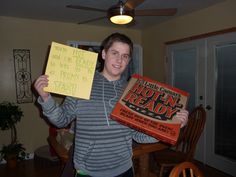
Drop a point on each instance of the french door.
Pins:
(221, 91)
(206, 68)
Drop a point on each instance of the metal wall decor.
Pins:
(23, 75)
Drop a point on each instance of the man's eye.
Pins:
(126, 57)
(115, 53)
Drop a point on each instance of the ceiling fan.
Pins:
(123, 13)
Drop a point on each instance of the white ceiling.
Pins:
(56, 10)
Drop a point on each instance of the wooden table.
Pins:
(142, 153)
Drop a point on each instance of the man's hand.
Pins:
(182, 115)
(39, 85)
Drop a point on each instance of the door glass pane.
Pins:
(225, 118)
(184, 68)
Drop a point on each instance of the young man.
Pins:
(103, 147)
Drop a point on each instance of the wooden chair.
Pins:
(65, 156)
(61, 152)
(186, 169)
(186, 145)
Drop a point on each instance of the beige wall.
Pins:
(37, 35)
(218, 17)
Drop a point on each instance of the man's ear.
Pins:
(103, 54)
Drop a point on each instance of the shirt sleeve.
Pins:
(59, 115)
(140, 137)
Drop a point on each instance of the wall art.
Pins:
(23, 81)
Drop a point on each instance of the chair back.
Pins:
(186, 169)
(191, 133)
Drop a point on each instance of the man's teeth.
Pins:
(116, 66)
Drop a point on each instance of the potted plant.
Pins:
(10, 114)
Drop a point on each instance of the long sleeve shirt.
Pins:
(103, 147)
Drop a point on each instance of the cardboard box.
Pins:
(149, 106)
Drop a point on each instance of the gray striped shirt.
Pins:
(103, 147)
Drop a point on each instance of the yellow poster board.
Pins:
(70, 70)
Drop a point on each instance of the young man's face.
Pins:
(116, 60)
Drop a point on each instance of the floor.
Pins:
(211, 172)
(30, 168)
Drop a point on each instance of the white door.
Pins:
(187, 70)
(207, 69)
(221, 91)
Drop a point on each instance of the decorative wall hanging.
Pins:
(23, 75)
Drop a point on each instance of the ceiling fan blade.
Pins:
(92, 20)
(133, 3)
(85, 8)
(156, 12)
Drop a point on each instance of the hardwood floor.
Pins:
(29, 168)
(211, 172)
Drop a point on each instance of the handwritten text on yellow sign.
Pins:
(70, 70)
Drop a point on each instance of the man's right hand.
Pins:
(39, 85)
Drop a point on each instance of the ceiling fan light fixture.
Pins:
(121, 19)
(121, 15)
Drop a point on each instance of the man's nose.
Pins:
(119, 58)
